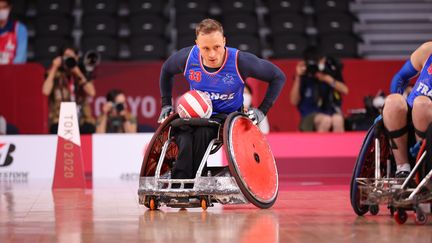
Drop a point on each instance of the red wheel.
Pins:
(400, 216)
(154, 149)
(251, 161)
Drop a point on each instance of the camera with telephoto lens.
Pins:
(119, 107)
(69, 62)
(311, 67)
(90, 60)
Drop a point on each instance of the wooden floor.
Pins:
(304, 212)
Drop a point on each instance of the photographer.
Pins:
(116, 118)
(66, 82)
(318, 85)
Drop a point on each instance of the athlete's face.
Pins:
(212, 48)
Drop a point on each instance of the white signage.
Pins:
(68, 123)
(27, 157)
(118, 155)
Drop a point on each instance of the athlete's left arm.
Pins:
(251, 66)
(411, 68)
(21, 52)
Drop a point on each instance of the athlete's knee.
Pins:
(395, 103)
(422, 103)
(184, 140)
(204, 133)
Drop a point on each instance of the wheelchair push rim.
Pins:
(250, 160)
(154, 149)
(358, 169)
(365, 166)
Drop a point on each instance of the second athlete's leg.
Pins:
(395, 121)
(421, 115)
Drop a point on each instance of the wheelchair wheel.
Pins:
(251, 161)
(365, 166)
(427, 164)
(400, 216)
(154, 149)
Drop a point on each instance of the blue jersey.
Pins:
(225, 86)
(423, 86)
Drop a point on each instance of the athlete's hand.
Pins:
(256, 115)
(165, 112)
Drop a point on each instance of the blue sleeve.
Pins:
(251, 66)
(21, 52)
(175, 64)
(401, 79)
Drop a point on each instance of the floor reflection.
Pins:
(220, 226)
(32, 212)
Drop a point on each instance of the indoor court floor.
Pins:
(315, 211)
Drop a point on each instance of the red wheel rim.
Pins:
(154, 150)
(400, 218)
(251, 161)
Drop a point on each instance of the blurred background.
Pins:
(371, 38)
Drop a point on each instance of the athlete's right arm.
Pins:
(411, 68)
(175, 64)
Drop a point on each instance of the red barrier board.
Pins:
(22, 102)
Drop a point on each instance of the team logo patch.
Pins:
(228, 79)
(6, 150)
(429, 70)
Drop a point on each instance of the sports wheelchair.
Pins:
(251, 175)
(373, 181)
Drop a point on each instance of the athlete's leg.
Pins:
(202, 137)
(421, 115)
(395, 121)
(184, 163)
(422, 118)
(323, 122)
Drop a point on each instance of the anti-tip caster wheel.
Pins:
(400, 216)
(374, 209)
(153, 205)
(420, 218)
(203, 203)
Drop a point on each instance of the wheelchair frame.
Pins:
(155, 191)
